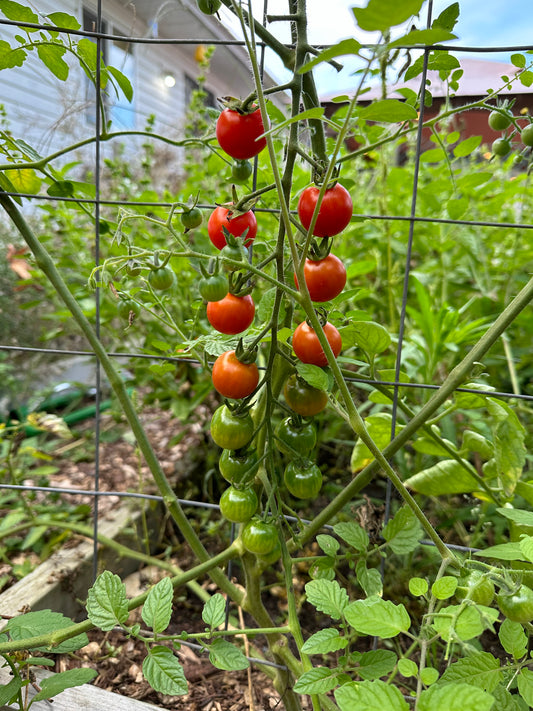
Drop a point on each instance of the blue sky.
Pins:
(481, 23)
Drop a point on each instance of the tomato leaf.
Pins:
(10, 57)
(225, 655)
(379, 15)
(455, 697)
(370, 695)
(327, 596)
(107, 604)
(324, 642)
(163, 672)
(157, 609)
(423, 38)
(403, 531)
(375, 616)
(52, 57)
(64, 21)
(17, 12)
(316, 681)
(214, 611)
(445, 477)
(389, 111)
(347, 46)
(123, 82)
(53, 685)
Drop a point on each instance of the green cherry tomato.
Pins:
(295, 438)
(303, 398)
(241, 170)
(303, 479)
(128, 309)
(238, 467)
(499, 121)
(191, 218)
(477, 587)
(238, 505)
(209, 7)
(259, 537)
(527, 135)
(273, 556)
(231, 431)
(161, 278)
(501, 147)
(517, 606)
(213, 288)
(133, 268)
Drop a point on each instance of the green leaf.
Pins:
(423, 38)
(381, 14)
(403, 531)
(369, 696)
(107, 604)
(55, 684)
(509, 448)
(157, 610)
(467, 147)
(353, 534)
(455, 697)
(502, 551)
(8, 186)
(480, 669)
(87, 52)
(52, 57)
(525, 490)
(445, 477)
(433, 155)
(475, 442)
(314, 375)
(225, 655)
(418, 586)
(526, 547)
(214, 612)
(316, 113)
(327, 596)
(457, 207)
(324, 642)
(379, 427)
(347, 46)
(388, 111)
(526, 78)
(163, 672)
(61, 19)
(444, 587)
(369, 579)
(316, 681)
(448, 17)
(328, 544)
(525, 685)
(471, 401)
(41, 622)
(505, 701)
(123, 82)
(17, 12)
(464, 622)
(24, 180)
(8, 691)
(407, 668)
(376, 663)
(10, 58)
(513, 638)
(375, 616)
(389, 375)
(61, 188)
(429, 675)
(370, 337)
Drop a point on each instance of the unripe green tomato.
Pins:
(191, 218)
(303, 479)
(231, 431)
(295, 439)
(518, 606)
(259, 537)
(238, 505)
(501, 147)
(126, 307)
(213, 288)
(527, 135)
(161, 278)
(499, 121)
(133, 268)
(478, 587)
(209, 7)
(241, 170)
(238, 468)
(273, 556)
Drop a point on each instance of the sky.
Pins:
(482, 23)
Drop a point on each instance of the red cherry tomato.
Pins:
(307, 347)
(325, 278)
(232, 314)
(222, 217)
(233, 379)
(237, 133)
(334, 214)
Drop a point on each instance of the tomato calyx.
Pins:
(319, 249)
(244, 354)
(242, 107)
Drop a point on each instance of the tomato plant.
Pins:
(303, 398)
(230, 430)
(307, 347)
(325, 278)
(238, 505)
(294, 436)
(517, 606)
(478, 587)
(161, 278)
(128, 309)
(335, 210)
(238, 133)
(303, 479)
(232, 314)
(501, 147)
(232, 378)
(192, 218)
(213, 288)
(526, 135)
(238, 467)
(499, 121)
(259, 537)
(222, 218)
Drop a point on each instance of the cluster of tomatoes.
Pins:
(502, 119)
(231, 310)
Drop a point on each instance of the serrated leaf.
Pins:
(61, 188)
(353, 534)
(369, 579)
(403, 532)
(52, 58)
(369, 696)
(376, 663)
(8, 691)
(322, 568)
(423, 37)
(444, 587)
(316, 681)
(445, 477)
(214, 612)
(163, 672)
(324, 642)
(455, 697)
(157, 609)
(314, 375)
(509, 448)
(375, 616)
(525, 685)
(41, 622)
(24, 180)
(225, 655)
(347, 46)
(502, 551)
(328, 544)
(513, 638)
(388, 111)
(505, 701)
(53, 685)
(17, 12)
(526, 547)
(480, 669)
(379, 15)
(372, 338)
(464, 622)
(327, 596)
(107, 604)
